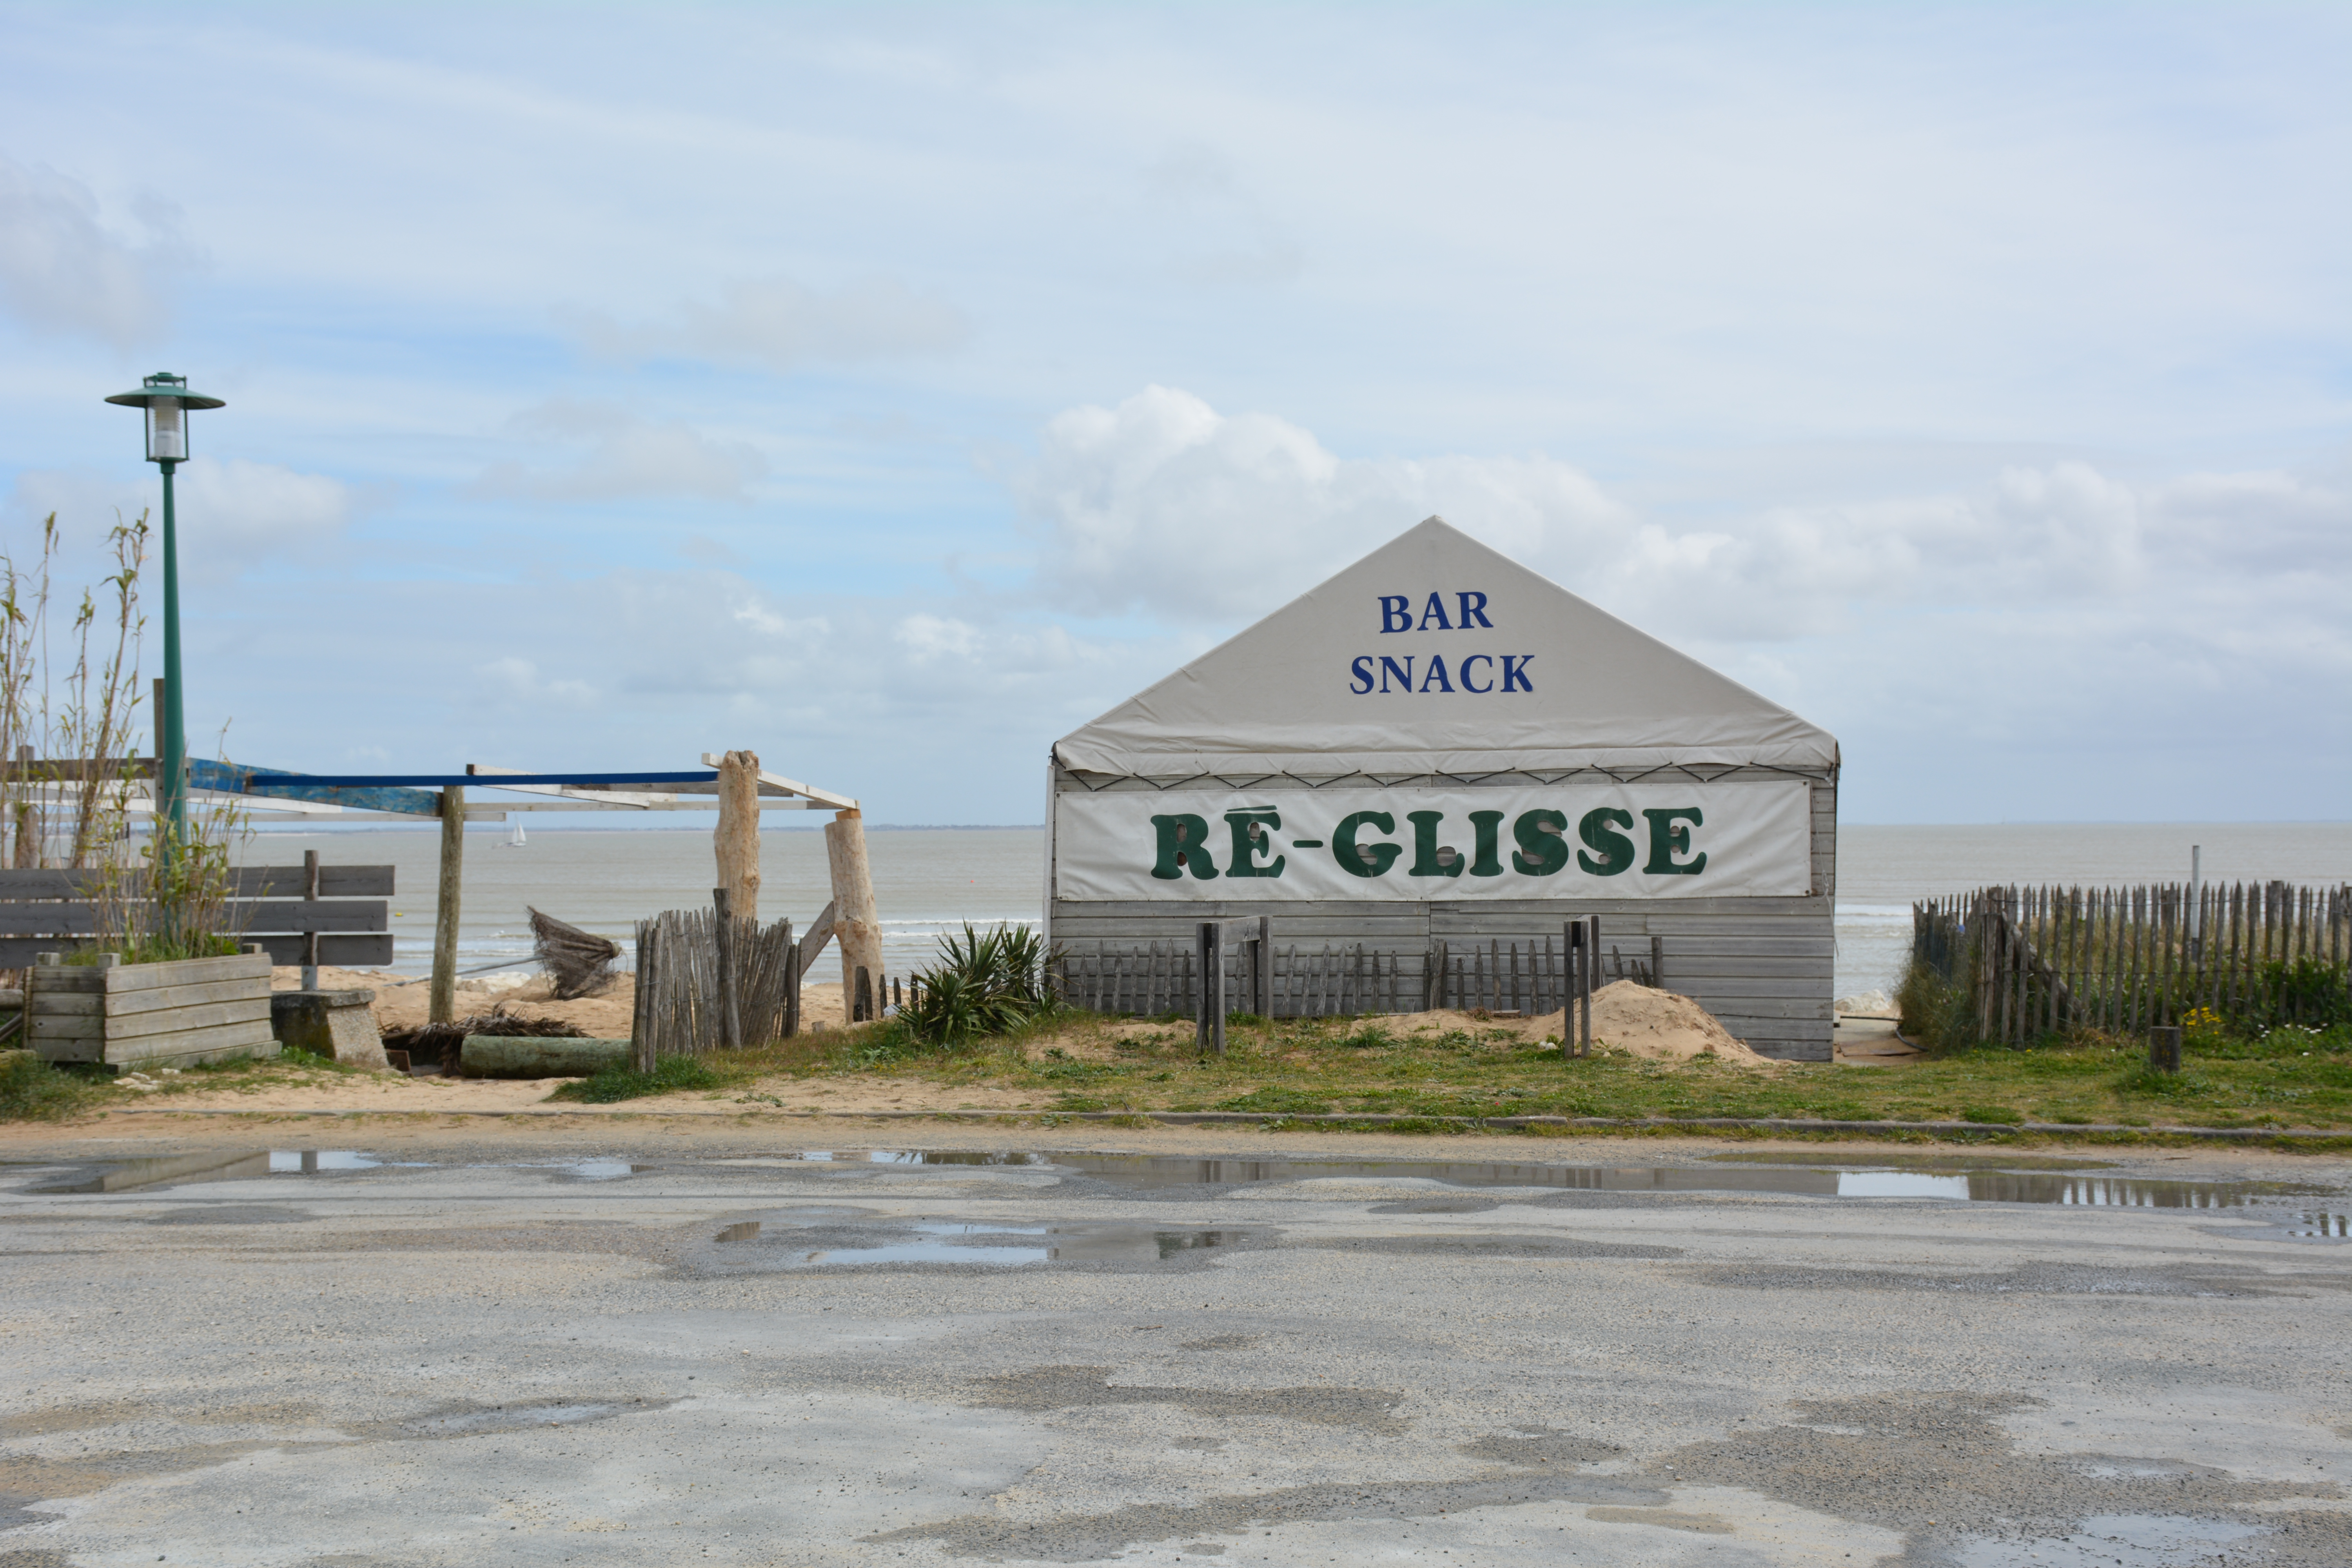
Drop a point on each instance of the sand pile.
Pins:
(1662, 1027)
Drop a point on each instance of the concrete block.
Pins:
(334, 1024)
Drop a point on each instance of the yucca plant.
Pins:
(986, 983)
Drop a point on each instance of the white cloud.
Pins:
(518, 681)
(241, 514)
(782, 324)
(1165, 506)
(619, 454)
(235, 516)
(65, 271)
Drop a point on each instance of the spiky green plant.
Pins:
(985, 982)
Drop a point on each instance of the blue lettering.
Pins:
(1437, 607)
(1389, 667)
(1436, 673)
(1515, 671)
(1464, 672)
(1473, 611)
(1396, 613)
(1362, 667)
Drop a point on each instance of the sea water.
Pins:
(928, 882)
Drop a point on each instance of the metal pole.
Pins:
(171, 751)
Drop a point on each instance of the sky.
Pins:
(889, 390)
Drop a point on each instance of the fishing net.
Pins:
(580, 963)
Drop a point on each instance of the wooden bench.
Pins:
(270, 906)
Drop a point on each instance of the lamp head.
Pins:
(167, 399)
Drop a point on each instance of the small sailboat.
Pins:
(515, 840)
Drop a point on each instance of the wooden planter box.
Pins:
(149, 1014)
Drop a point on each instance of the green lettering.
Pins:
(1669, 838)
(1542, 849)
(1489, 860)
(1616, 850)
(1248, 846)
(1184, 847)
(1425, 862)
(1365, 860)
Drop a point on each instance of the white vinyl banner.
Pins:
(1656, 840)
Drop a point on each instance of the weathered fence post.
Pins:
(722, 935)
(641, 1014)
(1211, 1013)
(1262, 973)
(2164, 1048)
(1658, 962)
(441, 1003)
(310, 938)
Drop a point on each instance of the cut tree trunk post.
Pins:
(441, 1005)
(856, 927)
(738, 839)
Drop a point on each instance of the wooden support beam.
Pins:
(738, 839)
(812, 946)
(441, 1005)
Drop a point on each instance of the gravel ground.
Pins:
(628, 1344)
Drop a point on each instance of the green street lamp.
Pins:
(167, 399)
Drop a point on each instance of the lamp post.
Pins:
(167, 399)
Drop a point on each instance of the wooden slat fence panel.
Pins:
(2032, 961)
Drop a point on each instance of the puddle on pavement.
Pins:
(1154, 1172)
(747, 1230)
(601, 1170)
(900, 1157)
(995, 1244)
(2317, 1226)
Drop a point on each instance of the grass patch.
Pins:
(1374, 1066)
(33, 1090)
(670, 1075)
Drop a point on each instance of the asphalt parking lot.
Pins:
(292, 1343)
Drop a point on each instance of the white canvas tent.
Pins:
(1438, 744)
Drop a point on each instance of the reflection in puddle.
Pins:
(173, 1168)
(1148, 1171)
(601, 1170)
(743, 1230)
(2319, 1226)
(283, 1161)
(990, 1246)
(913, 1157)
(1161, 1172)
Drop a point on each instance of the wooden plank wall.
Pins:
(1766, 967)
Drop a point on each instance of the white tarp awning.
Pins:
(1435, 654)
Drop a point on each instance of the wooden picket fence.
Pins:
(684, 982)
(2035, 960)
(1526, 975)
